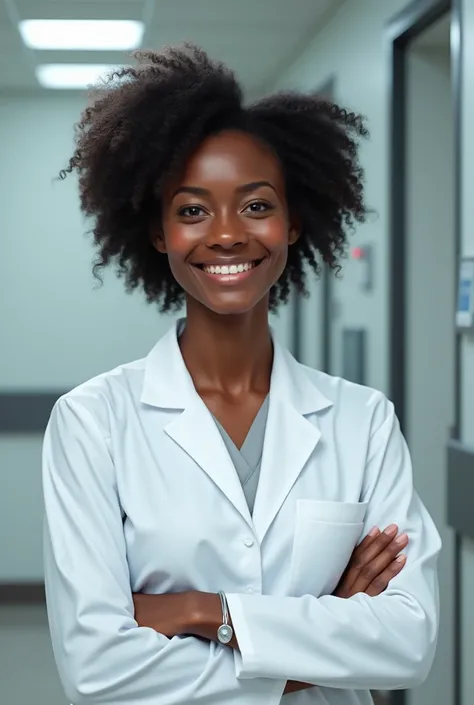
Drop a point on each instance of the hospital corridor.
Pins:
(276, 143)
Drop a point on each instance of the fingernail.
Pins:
(374, 531)
(392, 529)
(401, 539)
(400, 559)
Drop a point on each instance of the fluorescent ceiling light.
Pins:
(71, 75)
(111, 35)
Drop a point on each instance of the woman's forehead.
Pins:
(233, 156)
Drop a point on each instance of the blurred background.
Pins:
(399, 319)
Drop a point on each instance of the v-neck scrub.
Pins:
(248, 459)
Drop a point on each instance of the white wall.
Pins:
(57, 329)
(468, 342)
(351, 48)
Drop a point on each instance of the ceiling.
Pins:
(256, 38)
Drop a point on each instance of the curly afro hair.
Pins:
(145, 122)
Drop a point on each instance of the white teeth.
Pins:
(232, 269)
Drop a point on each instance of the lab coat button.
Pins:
(249, 588)
(249, 542)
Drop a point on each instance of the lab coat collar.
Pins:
(290, 437)
(168, 384)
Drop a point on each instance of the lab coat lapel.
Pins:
(195, 431)
(290, 437)
(168, 385)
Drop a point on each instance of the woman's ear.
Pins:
(157, 238)
(160, 244)
(294, 231)
(293, 236)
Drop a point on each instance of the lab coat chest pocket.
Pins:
(325, 536)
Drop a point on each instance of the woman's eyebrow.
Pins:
(195, 190)
(244, 188)
(252, 186)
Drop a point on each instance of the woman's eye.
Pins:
(258, 207)
(191, 211)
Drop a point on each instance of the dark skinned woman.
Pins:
(205, 505)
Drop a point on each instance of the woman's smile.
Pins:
(230, 273)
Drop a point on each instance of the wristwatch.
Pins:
(225, 631)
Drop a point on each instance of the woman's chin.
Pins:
(233, 304)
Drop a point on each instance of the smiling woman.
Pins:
(224, 526)
(134, 145)
(226, 228)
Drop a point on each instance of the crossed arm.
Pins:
(373, 564)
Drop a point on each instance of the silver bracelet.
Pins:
(225, 631)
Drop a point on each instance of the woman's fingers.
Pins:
(349, 577)
(368, 540)
(367, 550)
(376, 559)
(381, 582)
(373, 563)
(371, 557)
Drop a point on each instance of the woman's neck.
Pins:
(228, 354)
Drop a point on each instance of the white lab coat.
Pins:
(141, 495)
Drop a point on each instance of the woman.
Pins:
(203, 504)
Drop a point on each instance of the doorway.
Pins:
(424, 255)
(430, 305)
(311, 333)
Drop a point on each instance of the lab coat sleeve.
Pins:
(384, 642)
(102, 655)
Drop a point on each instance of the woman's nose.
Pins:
(227, 234)
(227, 241)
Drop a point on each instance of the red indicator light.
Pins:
(358, 253)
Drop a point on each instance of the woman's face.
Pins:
(226, 228)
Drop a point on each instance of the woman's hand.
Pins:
(373, 564)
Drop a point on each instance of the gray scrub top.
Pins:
(248, 459)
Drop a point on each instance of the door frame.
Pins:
(402, 29)
(326, 90)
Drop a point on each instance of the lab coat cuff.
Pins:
(246, 658)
